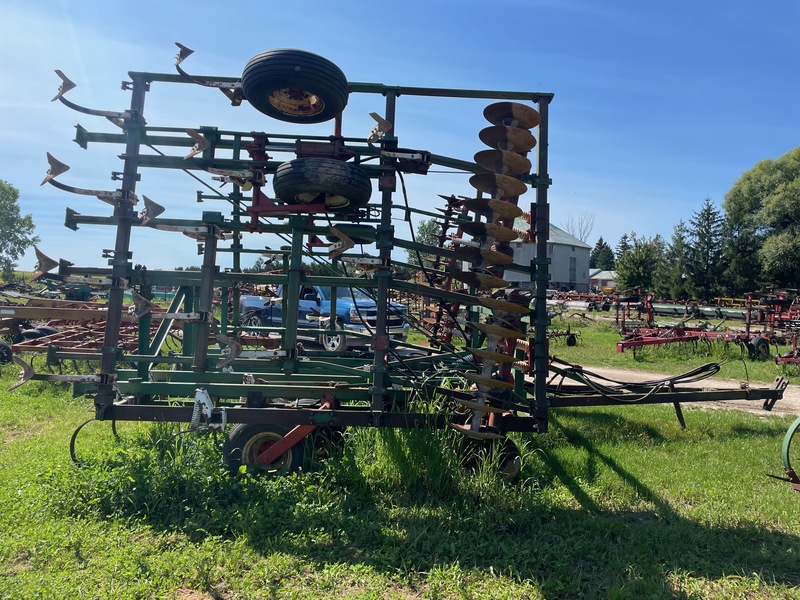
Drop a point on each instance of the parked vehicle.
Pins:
(355, 311)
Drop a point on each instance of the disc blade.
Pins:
(476, 434)
(480, 279)
(498, 330)
(497, 185)
(512, 114)
(503, 161)
(479, 407)
(486, 354)
(501, 209)
(504, 305)
(488, 381)
(498, 232)
(513, 139)
(490, 257)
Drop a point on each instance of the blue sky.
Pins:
(657, 105)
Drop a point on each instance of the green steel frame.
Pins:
(278, 385)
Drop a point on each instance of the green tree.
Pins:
(601, 256)
(704, 264)
(660, 248)
(16, 230)
(673, 279)
(427, 233)
(762, 226)
(637, 265)
(623, 245)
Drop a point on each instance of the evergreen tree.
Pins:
(637, 265)
(673, 282)
(660, 248)
(623, 245)
(601, 256)
(704, 264)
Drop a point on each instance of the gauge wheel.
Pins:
(246, 441)
(789, 452)
(295, 86)
(334, 342)
(337, 184)
(759, 348)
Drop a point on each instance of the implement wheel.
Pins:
(790, 452)
(759, 348)
(340, 185)
(295, 86)
(246, 442)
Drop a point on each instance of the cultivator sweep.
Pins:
(484, 366)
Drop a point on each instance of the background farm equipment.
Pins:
(487, 350)
(774, 314)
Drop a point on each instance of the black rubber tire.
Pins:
(334, 343)
(367, 237)
(572, 340)
(6, 355)
(340, 185)
(47, 329)
(759, 348)
(295, 86)
(28, 334)
(246, 440)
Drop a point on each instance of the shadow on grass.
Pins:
(336, 515)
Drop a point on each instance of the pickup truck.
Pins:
(355, 311)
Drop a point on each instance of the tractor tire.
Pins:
(295, 86)
(246, 441)
(340, 185)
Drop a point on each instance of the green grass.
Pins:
(611, 503)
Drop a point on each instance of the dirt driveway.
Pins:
(788, 405)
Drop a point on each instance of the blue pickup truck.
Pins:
(355, 311)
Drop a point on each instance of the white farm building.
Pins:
(569, 262)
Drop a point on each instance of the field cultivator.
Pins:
(774, 313)
(485, 370)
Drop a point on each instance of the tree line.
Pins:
(752, 243)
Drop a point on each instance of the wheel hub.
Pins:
(296, 102)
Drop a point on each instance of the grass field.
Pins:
(611, 503)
